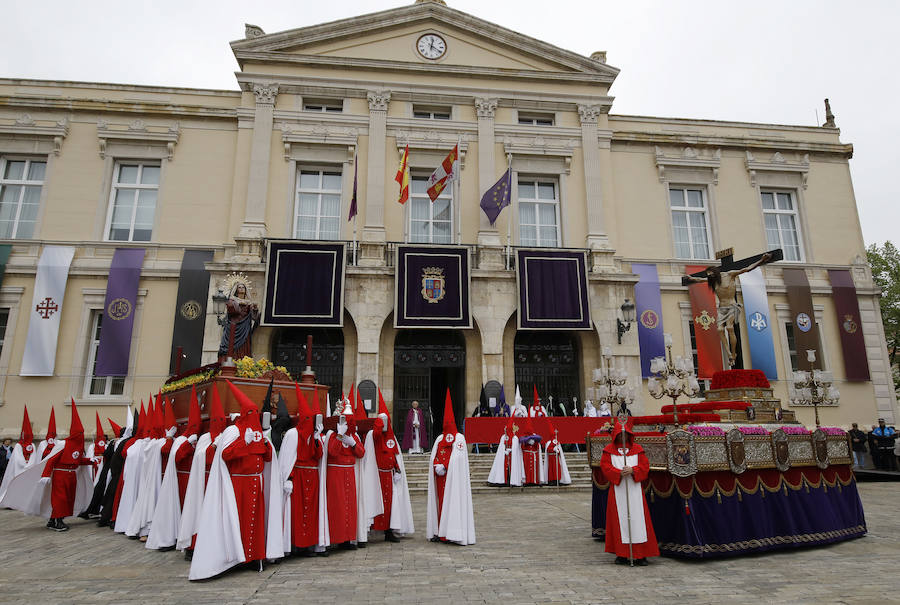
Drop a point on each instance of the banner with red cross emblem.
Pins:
(706, 334)
(39, 358)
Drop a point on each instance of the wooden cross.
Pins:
(729, 264)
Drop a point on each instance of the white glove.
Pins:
(317, 435)
(397, 477)
(348, 440)
(288, 487)
(171, 432)
(44, 480)
(248, 436)
(441, 470)
(192, 439)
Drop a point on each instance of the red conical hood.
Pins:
(351, 398)
(170, 415)
(382, 409)
(217, 419)
(359, 408)
(142, 422)
(51, 427)
(303, 409)
(116, 429)
(193, 424)
(26, 438)
(75, 426)
(534, 402)
(449, 419)
(249, 417)
(100, 436)
(74, 447)
(627, 428)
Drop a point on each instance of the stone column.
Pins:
(254, 226)
(597, 237)
(490, 250)
(373, 231)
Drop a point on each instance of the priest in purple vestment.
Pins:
(415, 436)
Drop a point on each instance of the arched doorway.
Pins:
(426, 364)
(289, 350)
(549, 360)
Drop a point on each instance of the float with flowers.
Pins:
(750, 479)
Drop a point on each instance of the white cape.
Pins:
(564, 478)
(457, 523)
(628, 489)
(27, 494)
(219, 546)
(516, 465)
(369, 503)
(287, 457)
(193, 497)
(167, 515)
(131, 480)
(148, 490)
(324, 529)
(401, 508)
(16, 465)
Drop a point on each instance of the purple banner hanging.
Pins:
(553, 293)
(432, 287)
(118, 312)
(304, 284)
(846, 305)
(648, 303)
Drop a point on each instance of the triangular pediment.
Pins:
(388, 39)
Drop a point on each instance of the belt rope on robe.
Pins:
(251, 475)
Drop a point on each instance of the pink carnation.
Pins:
(795, 429)
(706, 431)
(833, 430)
(752, 430)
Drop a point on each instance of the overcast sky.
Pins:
(762, 61)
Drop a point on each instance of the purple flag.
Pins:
(118, 312)
(648, 301)
(496, 198)
(353, 208)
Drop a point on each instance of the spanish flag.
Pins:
(403, 176)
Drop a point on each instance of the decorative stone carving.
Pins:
(485, 108)
(138, 125)
(777, 158)
(689, 153)
(589, 113)
(689, 158)
(778, 163)
(137, 133)
(265, 93)
(253, 31)
(599, 56)
(25, 119)
(829, 117)
(378, 99)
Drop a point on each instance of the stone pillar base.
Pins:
(249, 249)
(603, 261)
(371, 254)
(490, 257)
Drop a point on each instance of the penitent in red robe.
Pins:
(305, 496)
(183, 459)
(553, 469)
(340, 486)
(615, 542)
(531, 457)
(245, 464)
(63, 482)
(442, 456)
(386, 457)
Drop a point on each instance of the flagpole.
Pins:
(456, 193)
(509, 220)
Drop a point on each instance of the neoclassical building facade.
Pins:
(324, 111)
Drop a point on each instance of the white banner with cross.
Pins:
(46, 309)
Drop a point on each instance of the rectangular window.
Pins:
(792, 347)
(429, 223)
(324, 105)
(431, 113)
(21, 181)
(690, 223)
(782, 227)
(538, 213)
(317, 211)
(536, 119)
(132, 201)
(100, 385)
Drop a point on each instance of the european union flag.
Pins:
(497, 197)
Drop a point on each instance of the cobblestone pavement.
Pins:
(532, 548)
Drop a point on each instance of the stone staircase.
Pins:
(480, 467)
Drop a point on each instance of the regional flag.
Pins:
(444, 174)
(403, 176)
(497, 197)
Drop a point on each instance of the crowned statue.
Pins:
(241, 319)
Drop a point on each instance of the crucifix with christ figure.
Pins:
(722, 281)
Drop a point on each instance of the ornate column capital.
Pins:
(589, 113)
(485, 107)
(265, 93)
(378, 99)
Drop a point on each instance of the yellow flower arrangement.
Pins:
(188, 381)
(247, 367)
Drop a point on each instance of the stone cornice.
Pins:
(22, 102)
(25, 127)
(688, 158)
(433, 13)
(777, 163)
(137, 132)
(728, 142)
(447, 70)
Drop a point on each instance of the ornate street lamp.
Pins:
(674, 377)
(610, 384)
(624, 324)
(813, 387)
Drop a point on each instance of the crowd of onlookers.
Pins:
(880, 445)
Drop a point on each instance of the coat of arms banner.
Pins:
(304, 284)
(432, 287)
(553, 292)
(846, 304)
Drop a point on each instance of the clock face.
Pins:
(431, 46)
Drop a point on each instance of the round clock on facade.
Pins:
(431, 46)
